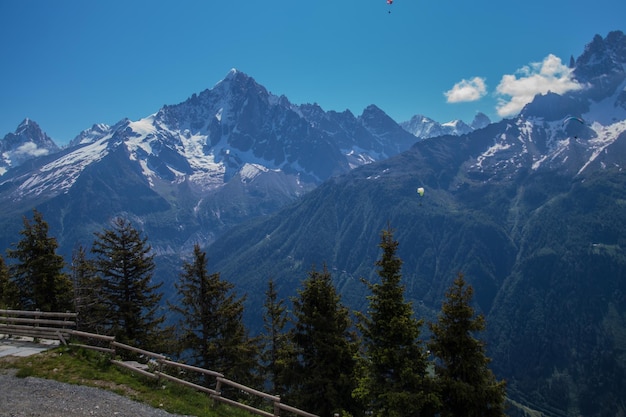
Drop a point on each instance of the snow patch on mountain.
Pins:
(207, 173)
(250, 171)
(492, 151)
(144, 127)
(357, 157)
(608, 111)
(606, 135)
(59, 175)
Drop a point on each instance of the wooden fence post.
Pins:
(66, 318)
(218, 390)
(36, 339)
(277, 407)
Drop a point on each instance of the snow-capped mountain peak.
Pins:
(28, 142)
(211, 137)
(423, 127)
(92, 134)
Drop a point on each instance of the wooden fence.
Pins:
(58, 326)
(37, 324)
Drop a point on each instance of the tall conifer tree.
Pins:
(323, 374)
(394, 381)
(213, 335)
(124, 266)
(92, 312)
(275, 341)
(38, 272)
(468, 387)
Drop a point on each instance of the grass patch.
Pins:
(83, 367)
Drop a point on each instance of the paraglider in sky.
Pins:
(575, 121)
(420, 192)
(573, 118)
(389, 2)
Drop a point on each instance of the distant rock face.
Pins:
(602, 57)
(423, 127)
(601, 67)
(480, 121)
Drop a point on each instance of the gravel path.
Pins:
(21, 397)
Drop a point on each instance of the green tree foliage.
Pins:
(468, 387)
(276, 348)
(38, 271)
(124, 267)
(211, 327)
(322, 376)
(91, 310)
(393, 379)
(9, 293)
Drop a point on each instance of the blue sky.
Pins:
(70, 64)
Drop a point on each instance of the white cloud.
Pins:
(536, 78)
(30, 149)
(467, 90)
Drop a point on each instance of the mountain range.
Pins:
(227, 154)
(531, 209)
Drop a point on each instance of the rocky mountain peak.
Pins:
(601, 73)
(602, 57)
(95, 132)
(480, 121)
(29, 131)
(27, 142)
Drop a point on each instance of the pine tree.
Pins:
(322, 377)
(393, 379)
(9, 294)
(92, 313)
(124, 268)
(468, 387)
(274, 339)
(213, 335)
(38, 271)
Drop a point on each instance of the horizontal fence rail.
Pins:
(61, 326)
(38, 324)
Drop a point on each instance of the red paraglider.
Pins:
(389, 2)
